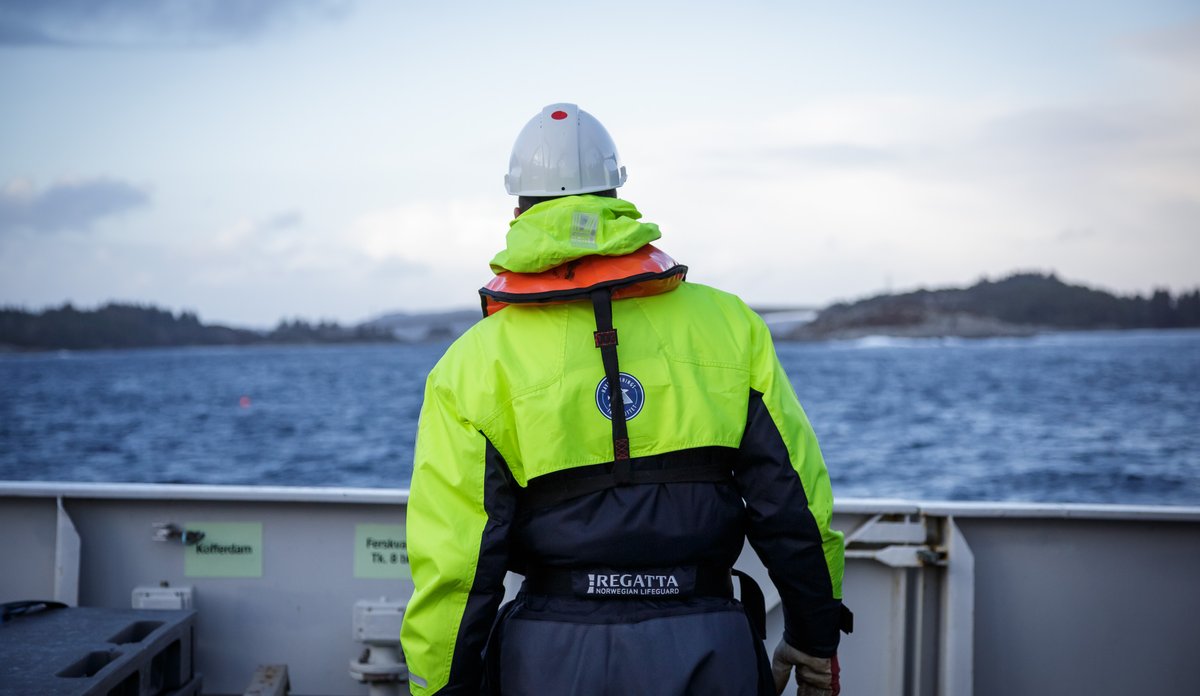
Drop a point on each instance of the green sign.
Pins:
(228, 550)
(380, 552)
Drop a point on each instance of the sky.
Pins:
(332, 159)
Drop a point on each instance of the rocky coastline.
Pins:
(1023, 304)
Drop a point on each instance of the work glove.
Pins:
(815, 676)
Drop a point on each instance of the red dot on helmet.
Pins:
(558, 115)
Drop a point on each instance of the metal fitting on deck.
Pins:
(381, 665)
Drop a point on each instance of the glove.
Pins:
(815, 676)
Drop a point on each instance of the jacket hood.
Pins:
(554, 232)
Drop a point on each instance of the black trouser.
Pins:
(550, 645)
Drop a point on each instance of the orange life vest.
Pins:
(647, 271)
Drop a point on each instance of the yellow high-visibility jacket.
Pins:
(523, 396)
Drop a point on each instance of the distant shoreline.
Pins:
(1024, 304)
(10, 350)
(845, 337)
(1019, 305)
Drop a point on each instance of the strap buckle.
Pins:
(605, 338)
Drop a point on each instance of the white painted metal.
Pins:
(957, 634)
(377, 621)
(382, 669)
(66, 558)
(268, 680)
(380, 666)
(947, 596)
(917, 639)
(160, 491)
(857, 506)
(892, 556)
(878, 530)
(1074, 511)
(173, 598)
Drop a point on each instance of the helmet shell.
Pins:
(563, 151)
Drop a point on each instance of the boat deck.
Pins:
(950, 599)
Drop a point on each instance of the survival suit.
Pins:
(614, 434)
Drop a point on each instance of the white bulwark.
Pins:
(950, 599)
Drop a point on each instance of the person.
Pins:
(613, 433)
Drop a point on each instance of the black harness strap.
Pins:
(606, 341)
(753, 602)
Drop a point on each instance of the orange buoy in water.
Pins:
(244, 402)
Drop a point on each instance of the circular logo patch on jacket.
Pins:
(632, 395)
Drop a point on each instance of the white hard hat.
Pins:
(561, 152)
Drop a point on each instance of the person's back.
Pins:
(624, 510)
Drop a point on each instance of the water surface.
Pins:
(1084, 417)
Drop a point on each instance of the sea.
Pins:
(1086, 417)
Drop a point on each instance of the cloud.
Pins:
(152, 23)
(461, 234)
(68, 205)
(822, 155)
(1069, 128)
(279, 237)
(1176, 46)
(283, 243)
(259, 267)
(1099, 184)
(282, 221)
(1077, 234)
(838, 155)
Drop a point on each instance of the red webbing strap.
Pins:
(606, 341)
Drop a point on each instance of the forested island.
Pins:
(1018, 305)
(118, 325)
(1021, 304)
